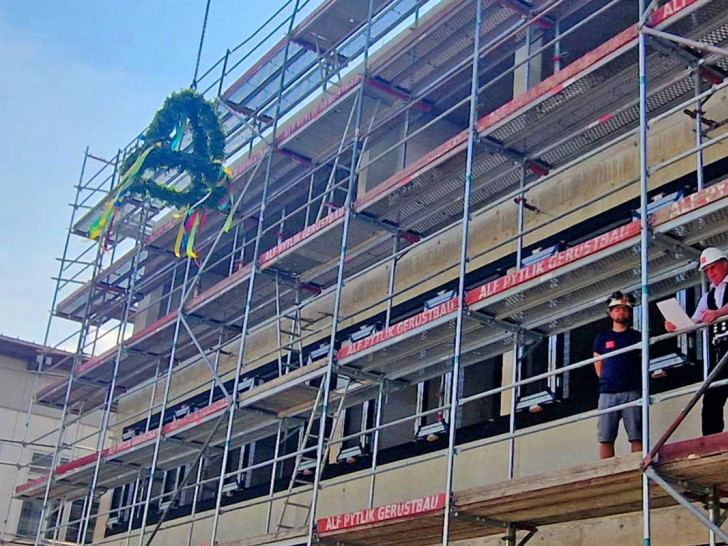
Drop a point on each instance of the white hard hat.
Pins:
(710, 256)
(617, 298)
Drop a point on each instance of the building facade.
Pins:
(26, 439)
(394, 342)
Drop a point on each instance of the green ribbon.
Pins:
(179, 132)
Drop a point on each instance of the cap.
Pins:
(711, 255)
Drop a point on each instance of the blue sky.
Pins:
(77, 73)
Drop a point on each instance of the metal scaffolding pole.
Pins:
(375, 444)
(700, 180)
(77, 358)
(165, 398)
(348, 211)
(147, 426)
(273, 472)
(41, 359)
(455, 374)
(650, 473)
(108, 403)
(196, 489)
(644, 272)
(251, 281)
(517, 349)
(455, 392)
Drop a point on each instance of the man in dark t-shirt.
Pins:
(619, 377)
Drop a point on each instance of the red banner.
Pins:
(400, 328)
(301, 236)
(668, 10)
(197, 417)
(131, 443)
(692, 202)
(77, 463)
(388, 512)
(592, 246)
(31, 484)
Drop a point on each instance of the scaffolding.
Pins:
(367, 135)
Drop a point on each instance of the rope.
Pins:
(202, 41)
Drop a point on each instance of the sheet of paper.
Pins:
(673, 312)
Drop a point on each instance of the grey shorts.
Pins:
(608, 423)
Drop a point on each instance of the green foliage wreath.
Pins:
(162, 153)
(203, 162)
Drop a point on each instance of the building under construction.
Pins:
(393, 345)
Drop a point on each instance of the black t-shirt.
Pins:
(623, 372)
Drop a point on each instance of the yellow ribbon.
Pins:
(98, 226)
(131, 171)
(178, 241)
(191, 238)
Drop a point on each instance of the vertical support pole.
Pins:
(644, 258)
(132, 509)
(392, 277)
(527, 66)
(236, 234)
(521, 217)
(150, 413)
(77, 357)
(698, 132)
(200, 464)
(348, 205)
(405, 145)
(299, 328)
(279, 323)
(74, 210)
(310, 197)
(165, 398)
(46, 338)
(517, 351)
(109, 400)
(510, 537)
(557, 45)
(714, 512)
(699, 175)
(454, 398)
(251, 282)
(172, 282)
(273, 472)
(375, 444)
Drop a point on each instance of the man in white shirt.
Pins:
(712, 306)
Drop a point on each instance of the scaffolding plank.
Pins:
(292, 385)
(592, 95)
(584, 491)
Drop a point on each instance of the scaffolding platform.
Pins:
(413, 347)
(590, 101)
(417, 83)
(312, 254)
(555, 294)
(334, 31)
(259, 411)
(586, 491)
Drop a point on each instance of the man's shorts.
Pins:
(608, 423)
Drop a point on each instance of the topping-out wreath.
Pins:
(186, 112)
